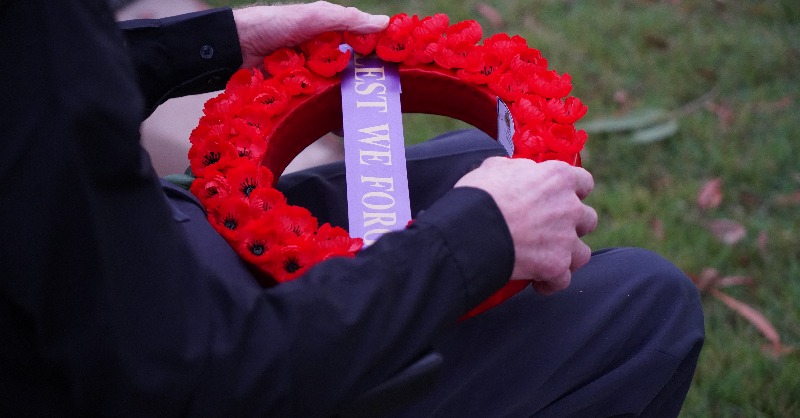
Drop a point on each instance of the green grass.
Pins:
(661, 54)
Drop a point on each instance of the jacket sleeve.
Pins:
(347, 325)
(183, 55)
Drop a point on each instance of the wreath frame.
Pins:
(249, 133)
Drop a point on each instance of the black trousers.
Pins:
(622, 340)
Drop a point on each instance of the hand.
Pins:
(541, 204)
(263, 29)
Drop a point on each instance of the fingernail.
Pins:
(373, 23)
(379, 20)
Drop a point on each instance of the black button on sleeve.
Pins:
(207, 51)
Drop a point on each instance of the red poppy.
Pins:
(394, 49)
(248, 139)
(510, 86)
(282, 60)
(325, 40)
(244, 78)
(247, 176)
(327, 62)
(455, 56)
(396, 43)
(231, 215)
(212, 154)
(211, 190)
(565, 139)
(294, 222)
(333, 241)
(505, 45)
(550, 85)
(291, 261)
(258, 240)
(424, 38)
(528, 143)
(529, 61)
(298, 81)
(529, 110)
(468, 31)
(266, 198)
(362, 43)
(566, 111)
(218, 109)
(270, 98)
(486, 66)
(255, 119)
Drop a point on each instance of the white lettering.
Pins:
(379, 200)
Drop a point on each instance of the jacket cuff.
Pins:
(182, 55)
(476, 232)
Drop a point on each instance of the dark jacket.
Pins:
(117, 301)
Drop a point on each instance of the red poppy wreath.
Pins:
(251, 131)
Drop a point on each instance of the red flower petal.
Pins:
(212, 154)
(283, 60)
(298, 81)
(528, 143)
(247, 176)
(394, 49)
(468, 31)
(530, 61)
(529, 110)
(565, 139)
(510, 86)
(327, 62)
(271, 98)
(550, 85)
(482, 66)
(258, 240)
(323, 41)
(211, 190)
(506, 46)
(400, 26)
(265, 199)
(567, 111)
(362, 43)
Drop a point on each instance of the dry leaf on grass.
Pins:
(710, 194)
(728, 231)
(494, 17)
(756, 318)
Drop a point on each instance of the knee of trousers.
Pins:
(664, 300)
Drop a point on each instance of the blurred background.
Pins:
(694, 144)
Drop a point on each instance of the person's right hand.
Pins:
(542, 206)
(263, 29)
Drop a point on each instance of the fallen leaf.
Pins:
(756, 318)
(706, 280)
(790, 199)
(494, 17)
(728, 231)
(657, 227)
(724, 113)
(710, 194)
(729, 281)
(656, 41)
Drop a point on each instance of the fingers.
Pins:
(584, 182)
(550, 287)
(323, 16)
(587, 222)
(580, 255)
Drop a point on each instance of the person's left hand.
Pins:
(263, 29)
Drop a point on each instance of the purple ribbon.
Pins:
(374, 148)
